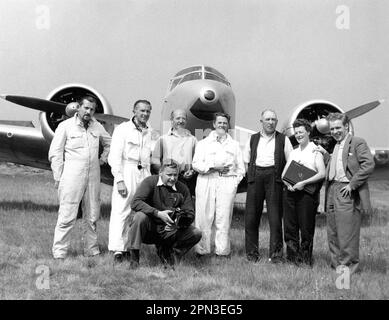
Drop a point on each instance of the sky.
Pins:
(275, 53)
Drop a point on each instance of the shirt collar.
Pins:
(81, 123)
(160, 183)
(172, 132)
(213, 136)
(139, 128)
(266, 136)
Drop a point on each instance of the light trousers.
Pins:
(78, 182)
(215, 197)
(119, 222)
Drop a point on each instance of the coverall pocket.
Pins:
(132, 148)
(75, 141)
(94, 140)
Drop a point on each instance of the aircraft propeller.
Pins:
(62, 108)
(323, 126)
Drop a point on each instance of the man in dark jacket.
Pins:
(347, 192)
(265, 155)
(162, 214)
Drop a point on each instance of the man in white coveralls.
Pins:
(129, 158)
(219, 162)
(74, 157)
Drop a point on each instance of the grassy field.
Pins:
(28, 212)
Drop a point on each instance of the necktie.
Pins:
(334, 158)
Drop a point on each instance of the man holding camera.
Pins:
(162, 214)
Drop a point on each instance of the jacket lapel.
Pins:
(345, 152)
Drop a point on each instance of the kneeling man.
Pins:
(162, 214)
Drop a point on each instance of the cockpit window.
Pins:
(187, 70)
(212, 76)
(174, 83)
(188, 77)
(192, 76)
(214, 71)
(196, 73)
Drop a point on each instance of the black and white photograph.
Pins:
(195, 155)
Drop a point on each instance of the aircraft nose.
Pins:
(209, 95)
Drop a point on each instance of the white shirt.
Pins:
(160, 183)
(212, 153)
(265, 150)
(179, 148)
(129, 144)
(307, 157)
(340, 175)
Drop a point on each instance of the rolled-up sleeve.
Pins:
(56, 151)
(287, 148)
(246, 152)
(116, 154)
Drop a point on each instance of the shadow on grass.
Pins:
(377, 217)
(27, 206)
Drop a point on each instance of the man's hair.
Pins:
(221, 114)
(173, 112)
(302, 123)
(333, 116)
(169, 163)
(142, 101)
(270, 110)
(89, 98)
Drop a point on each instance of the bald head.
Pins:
(269, 121)
(178, 118)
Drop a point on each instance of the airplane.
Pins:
(267, 48)
(200, 90)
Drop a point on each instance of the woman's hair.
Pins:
(302, 123)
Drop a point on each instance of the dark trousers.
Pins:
(190, 183)
(343, 227)
(264, 187)
(144, 230)
(299, 218)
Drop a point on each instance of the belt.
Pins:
(264, 168)
(339, 182)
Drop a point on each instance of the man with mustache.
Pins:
(347, 192)
(179, 145)
(74, 157)
(265, 155)
(129, 159)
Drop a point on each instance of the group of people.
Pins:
(157, 177)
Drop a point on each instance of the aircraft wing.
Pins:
(17, 123)
(23, 145)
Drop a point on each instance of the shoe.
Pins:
(253, 257)
(223, 256)
(118, 257)
(200, 256)
(276, 260)
(126, 256)
(166, 256)
(178, 255)
(134, 258)
(59, 258)
(94, 254)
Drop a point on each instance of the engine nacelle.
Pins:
(69, 93)
(315, 112)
